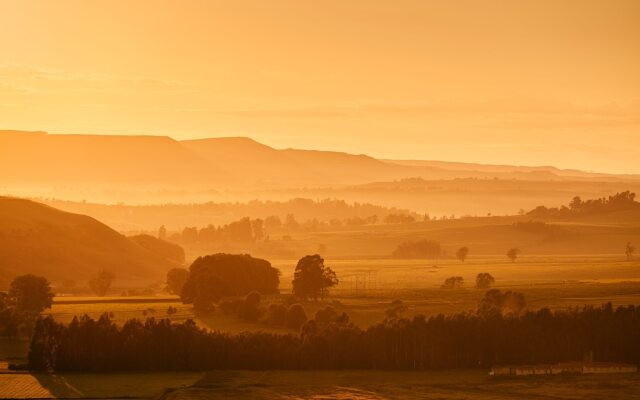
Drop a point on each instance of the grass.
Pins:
(462, 384)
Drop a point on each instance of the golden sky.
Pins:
(516, 82)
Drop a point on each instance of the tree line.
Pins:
(466, 340)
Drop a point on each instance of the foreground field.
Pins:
(472, 385)
(92, 386)
(403, 385)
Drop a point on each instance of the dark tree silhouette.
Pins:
(101, 282)
(295, 317)
(629, 250)
(176, 278)
(513, 253)
(484, 280)
(30, 293)
(453, 282)
(397, 309)
(462, 253)
(312, 279)
(464, 340)
(496, 302)
(215, 276)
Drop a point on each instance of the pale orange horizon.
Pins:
(500, 82)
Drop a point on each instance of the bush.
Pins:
(453, 282)
(295, 317)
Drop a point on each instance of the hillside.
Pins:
(38, 239)
(155, 169)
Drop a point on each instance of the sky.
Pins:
(503, 82)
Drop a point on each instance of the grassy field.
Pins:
(403, 385)
(368, 286)
(92, 386)
(453, 384)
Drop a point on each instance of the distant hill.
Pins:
(38, 239)
(75, 166)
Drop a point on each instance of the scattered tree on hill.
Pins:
(496, 302)
(312, 279)
(215, 276)
(484, 280)
(629, 250)
(176, 278)
(577, 206)
(418, 249)
(101, 282)
(30, 293)
(462, 253)
(162, 232)
(453, 282)
(513, 253)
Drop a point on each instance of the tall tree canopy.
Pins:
(312, 279)
(30, 293)
(215, 276)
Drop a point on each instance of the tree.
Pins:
(462, 253)
(176, 278)
(453, 282)
(513, 253)
(312, 279)
(30, 293)
(505, 303)
(162, 232)
(484, 280)
(629, 250)
(397, 309)
(295, 317)
(215, 276)
(101, 282)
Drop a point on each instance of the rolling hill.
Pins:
(38, 239)
(41, 164)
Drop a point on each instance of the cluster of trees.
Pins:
(243, 230)
(28, 295)
(468, 340)
(215, 276)
(577, 206)
(285, 315)
(484, 280)
(418, 249)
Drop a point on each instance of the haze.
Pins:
(520, 83)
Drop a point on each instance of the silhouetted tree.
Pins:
(215, 276)
(312, 279)
(295, 317)
(513, 253)
(453, 282)
(162, 232)
(496, 302)
(629, 250)
(30, 293)
(462, 253)
(101, 282)
(176, 278)
(484, 280)
(396, 310)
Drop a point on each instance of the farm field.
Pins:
(403, 385)
(92, 386)
(448, 384)
(368, 286)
